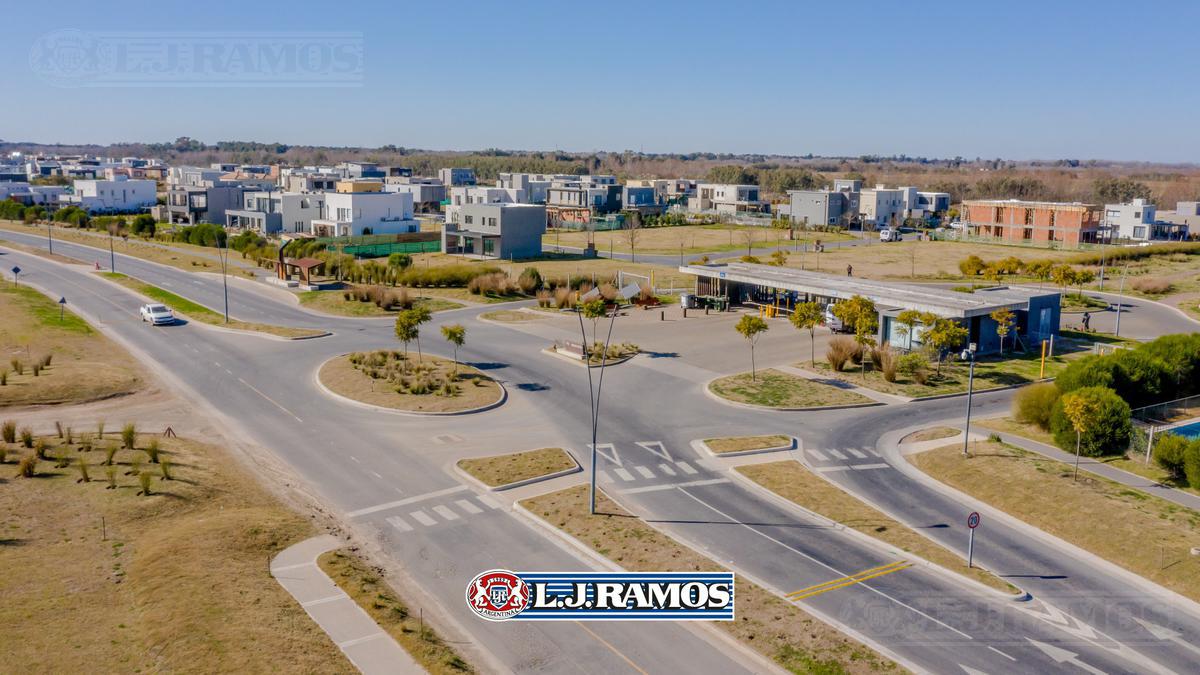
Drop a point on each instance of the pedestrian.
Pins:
(1087, 321)
(849, 270)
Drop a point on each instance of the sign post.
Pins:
(62, 303)
(972, 523)
(16, 271)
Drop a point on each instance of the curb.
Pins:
(395, 411)
(550, 351)
(750, 406)
(520, 483)
(702, 445)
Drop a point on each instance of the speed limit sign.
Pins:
(973, 520)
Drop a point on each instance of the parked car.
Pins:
(832, 322)
(157, 314)
(889, 234)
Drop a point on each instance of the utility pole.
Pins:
(50, 237)
(969, 353)
(112, 257)
(224, 250)
(1120, 291)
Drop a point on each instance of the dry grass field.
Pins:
(745, 443)
(474, 389)
(774, 389)
(505, 469)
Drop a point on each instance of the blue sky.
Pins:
(1094, 79)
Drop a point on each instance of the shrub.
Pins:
(58, 429)
(563, 297)
(1181, 353)
(27, 437)
(840, 350)
(1135, 375)
(37, 369)
(39, 448)
(4, 377)
(8, 431)
(1191, 463)
(1169, 451)
(144, 479)
(70, 436)
(128, 435)
(1033, 404)
(61, 459)
(544, 298)
(46, 360)
(165, 467)
(971, 266)
(83, 472)
(888, 362)
(85, 442)
(100, 429)
(530, 280)
(135, 466)
(110, 473)
(1108, 435)
(152, 451)
(17, 366)
(1152, 285)
(753, 259)
(27, 467)
(110, 451)
(3, 454)
(912, 362)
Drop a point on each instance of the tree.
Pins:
(594, 309)
(632, 232)
(751, 327)
(1063, 275)
(407, 329)
(1040, 270)
(748, 235)
(143, 225)
(971, 265)
(1004, 321)
(1102, 417)
(1119, 190)
(732, 175)
(400, 261)
(420, 316)
(1081, 411)
(859, 313)
(907, 324)
(807, 316)
(943, 335)
(455, 334)
(1082, 277)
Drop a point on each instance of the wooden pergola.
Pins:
(305, 267)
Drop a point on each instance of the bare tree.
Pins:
(748, 234)
(632, 231)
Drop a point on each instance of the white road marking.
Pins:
(623, 474)
(468, 507)
(868, 467)
(672, 486)
(872, 453)
(826, 469)
(685, 467)
(399, 523)
(856, 453)
(445, 512)
(358, 641)
(837, 455)
(611, 455)
(666, 468)
(355, 459)
(488, 501)
(661, 451)
(422, 518)
(269, 399)
(408, 500)
(646, 473)
(820, 456)
(1010, 658)
(377, 475)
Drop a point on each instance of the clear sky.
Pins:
(1015, 79)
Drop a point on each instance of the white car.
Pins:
(157, 314)
(889, 234)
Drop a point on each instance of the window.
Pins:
(1139, 232)
(468, 219)
(1137, 214)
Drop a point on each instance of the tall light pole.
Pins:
(223, 251)
(50, 237)
(112, 257)
(969, 354)
(1121, 290)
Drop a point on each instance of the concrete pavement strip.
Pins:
(368, 646)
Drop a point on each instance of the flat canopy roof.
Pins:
(921, 297)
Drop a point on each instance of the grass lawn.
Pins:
(333, 302)
(194, 310)
(84, 364)
(779, 630)
(930, 434)
(793, 481)
(173, 582)
(512, 316)
(372, 593)
(1123, 525)
(1008, 425)
(745, 443)
(774, 389)
(554, 266)
(695, 239)
(505, 469)
(1075, 302)
(474, 389)
(919, 260)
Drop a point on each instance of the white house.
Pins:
(118, 195)
(362, 207)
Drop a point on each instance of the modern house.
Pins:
(427, 193)
(726, 199)
(200, 204)
(456, 176)
(1036, 311)
(581, 199)
(359, 207)
(120, 195)
(1139, 221)
(646, 200)
(879, 206)
(1185, 219)
(505, 231)
(308, 180)
(272, 212)
(1055, 223)
(534, 186)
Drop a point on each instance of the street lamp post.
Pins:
(50, 237)
(224, 251)
(1120, 291)
(969, 354)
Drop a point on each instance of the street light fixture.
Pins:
(969, 355)
(223, 252)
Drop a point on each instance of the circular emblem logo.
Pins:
(68, 57)
(497, 595)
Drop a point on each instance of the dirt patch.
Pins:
(930, 434)
(471, 388)
(105, 580)
(746, 443)
(775, 389)
(518, 466)
(766, 623)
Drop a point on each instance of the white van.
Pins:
(889, 234)
(832, 322)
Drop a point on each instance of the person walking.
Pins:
(1087, 321)
(849, 270)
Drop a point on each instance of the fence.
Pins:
(382, 250)
(1169, 412)
(960, 235)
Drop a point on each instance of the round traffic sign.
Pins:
(973, 520)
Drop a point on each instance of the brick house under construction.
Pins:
(1066, 224)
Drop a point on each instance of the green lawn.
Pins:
(774, 389)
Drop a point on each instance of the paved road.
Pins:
(389, 473)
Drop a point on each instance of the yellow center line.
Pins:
(851, 576)
(849, 582)
(611, 648)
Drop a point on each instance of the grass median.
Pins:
(779, 630)
(1144, 534)
(518, 466)
(793, 481)
(45, 359)
(198, 312)
(335, 302)
(771, 388)
(747, 443)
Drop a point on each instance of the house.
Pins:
(582, 199)
(456, 177)
(270, 212)
(308, 180)
(923, 205)
(534, 186)
(427, 193)
(1185, 219)
(1068, 224)
(120, 195)
(504, 230)
(644, 199)
(880, 206)
(203, 204)
(726, 199)
(354, 170)
(359, 207)
(823, 207)
(1138, 221)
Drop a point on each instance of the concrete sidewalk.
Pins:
(368, 647)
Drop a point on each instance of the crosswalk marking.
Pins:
(818, 454)
(422, 518)
(607, 451)
(399, 523)
(837, 455)
(646, 473)
(666, 468)
(685, 467)
(872, 453)
(826, 469)
(623, 474)
(864, 467)
(445, 512)
(856, 453)
(488, 501)
(661, 450)
(468, 506)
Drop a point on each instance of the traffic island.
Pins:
(794, 482)
(777, 390)
(736, 446)
(371, 301)
(597, 355)
(503, 472)
(1142, 533)
(779, 630)
(930, 434)
(410, 383)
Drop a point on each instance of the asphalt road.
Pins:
(389, 474)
